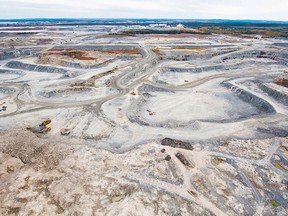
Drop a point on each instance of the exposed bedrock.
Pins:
(250, 98)
(7, 90)
(16, 53)
(32, 67)
(106, 47)
(74, 65)
(99, 47)
(281, 44)
(279, 96)
(196, 69)
(150, 88)
(203, 46)
(280, 56)
(248, 105)
(61, 92)
(87, 66)
(176, 143)
(217, 67)
(5, 71)
(275, 131)
(184, 56)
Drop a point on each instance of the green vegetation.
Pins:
(217, 160)
(280, 166)
(274, 203)
(26, 33)
(80, 55)
(246, 30)
(73, 53)
(237, 29)
(160, 31)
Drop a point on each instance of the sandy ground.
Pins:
(41, 176)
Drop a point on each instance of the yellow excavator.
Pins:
(45, 126)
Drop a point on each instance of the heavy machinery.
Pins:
(3, 106)
(45, 126)
(64, 131)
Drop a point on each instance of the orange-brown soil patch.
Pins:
(78, 54)
(282, 82)
(131, 52)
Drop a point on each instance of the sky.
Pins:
(183, 9)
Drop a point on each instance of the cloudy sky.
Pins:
(194, 9)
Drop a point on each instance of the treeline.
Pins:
(159, 31)
(247, 30)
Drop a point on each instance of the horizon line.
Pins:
(107, 18)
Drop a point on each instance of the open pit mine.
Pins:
(93, 122)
